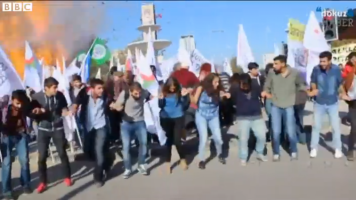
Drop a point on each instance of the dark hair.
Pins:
(207, 85)
(21, 96)
(76, 77)
(252, 65)
(280, 58)
(326, 54)
(50, 81)
(135, 86)
(245, 81)
(235, 78)
(112, 70)
(268, 67)
(95, 81)
(171, 81)
(351, 55)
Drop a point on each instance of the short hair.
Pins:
(112, 70)
(268, 67)
(18, 94)
(252, 65)
(176, 66)
(326, 54)
(95, 81)
(50, 81)
(280, 58)
(351, 55)
(76, 77)
(135, 86)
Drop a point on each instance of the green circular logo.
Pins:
(99, 51)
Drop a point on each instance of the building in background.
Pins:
(187, 42)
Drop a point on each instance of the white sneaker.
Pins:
(313, 153)
(338, 153)
(127, 174)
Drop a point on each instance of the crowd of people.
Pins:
(114, 110)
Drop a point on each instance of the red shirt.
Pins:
(346, 71)
(186, 78)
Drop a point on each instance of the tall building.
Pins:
(187, 42)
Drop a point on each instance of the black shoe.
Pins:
(222, 159)
(350, 155)
(201, 165)
(8, 196)
(27, 190)
(99, 184)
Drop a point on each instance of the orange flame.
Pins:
(16, 27)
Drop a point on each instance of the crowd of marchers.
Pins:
(113, 112)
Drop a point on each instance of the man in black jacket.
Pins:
(52, 106)
(94, 117)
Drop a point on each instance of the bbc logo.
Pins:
(17, 6)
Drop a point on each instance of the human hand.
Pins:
(161, 96)
(184, 92)
(345, 97)
(227, 95)
(313, 93)
(265, 94)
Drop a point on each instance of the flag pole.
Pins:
(86, 56)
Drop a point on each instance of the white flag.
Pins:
(9, 78)
(277, 52)
(314, 39)
(244, 53)
(32, 77)
(98, 74)
(314, 42)
(227, 67)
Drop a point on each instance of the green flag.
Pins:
(81, 55)
(100, 53)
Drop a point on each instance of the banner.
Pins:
(297, 54)
(197, 59)
(9, 78)
(341, 49)
(167, 66)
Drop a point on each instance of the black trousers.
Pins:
(99, 149)
(59, 140)
(174, 128)
(226, 112)
(352, 136)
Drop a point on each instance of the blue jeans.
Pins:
(139, 130)
(244, 127)
(277, 115)
(202, 126)
(20, 142)
(333, 113)
(268, 108)
(299, 120)
(98, 141)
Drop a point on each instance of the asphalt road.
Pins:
(322, 178)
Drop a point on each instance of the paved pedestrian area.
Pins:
(322, 178)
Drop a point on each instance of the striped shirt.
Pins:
(225, 81)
